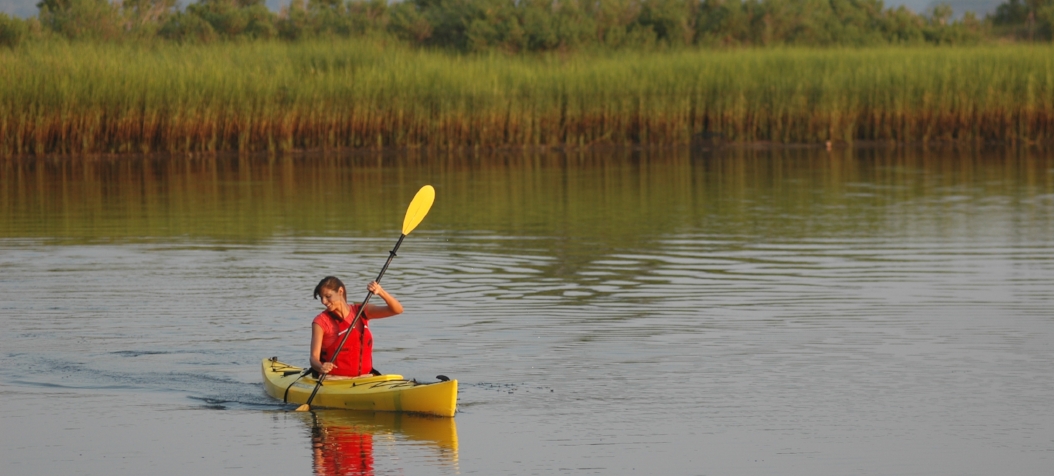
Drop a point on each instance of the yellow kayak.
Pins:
(385, 393)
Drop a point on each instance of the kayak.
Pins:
(385, 393)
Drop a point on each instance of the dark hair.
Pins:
(328, 282)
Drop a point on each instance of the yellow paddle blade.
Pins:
(419, 207)
(303, 408)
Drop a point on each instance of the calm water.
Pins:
(792, 312)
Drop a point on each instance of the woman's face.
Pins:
(333, 299)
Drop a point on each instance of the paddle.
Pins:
(419, 207)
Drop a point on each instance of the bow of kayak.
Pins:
(386, 393)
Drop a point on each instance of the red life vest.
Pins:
(356, 357)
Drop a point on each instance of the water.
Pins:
(791, 311)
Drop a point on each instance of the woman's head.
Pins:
(329, 287)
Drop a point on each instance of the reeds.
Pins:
(76, 98)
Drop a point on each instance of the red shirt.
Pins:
(356, 357)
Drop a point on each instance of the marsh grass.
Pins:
(75, 98)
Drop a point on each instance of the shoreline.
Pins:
(472, 152)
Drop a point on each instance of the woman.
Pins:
(356, 357)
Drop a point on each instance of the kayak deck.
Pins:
(386, 393)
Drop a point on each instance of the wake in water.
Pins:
(208, 388)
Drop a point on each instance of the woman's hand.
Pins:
(391, 307)
(327, 367)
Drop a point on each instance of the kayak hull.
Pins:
(384, 393)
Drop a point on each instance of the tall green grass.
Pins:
(71, 98)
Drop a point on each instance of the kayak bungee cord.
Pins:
(285, 396)
(274, 361)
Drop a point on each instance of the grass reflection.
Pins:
(597, 199)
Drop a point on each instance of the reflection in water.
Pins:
(342, 442)
(341, 450)
(615, 197)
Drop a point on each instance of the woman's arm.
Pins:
(391, 305)
(316, 351)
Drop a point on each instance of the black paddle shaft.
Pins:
(391, 255)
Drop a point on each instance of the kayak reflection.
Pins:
(342, 441)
